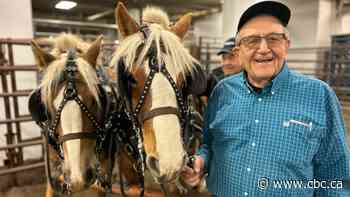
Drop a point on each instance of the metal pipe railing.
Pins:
(23, 144)
(14, 120)
(22, 168)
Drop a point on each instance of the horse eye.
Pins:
(79, 51)
(133, 81)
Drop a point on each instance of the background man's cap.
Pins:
(228, 46)
(270, 8)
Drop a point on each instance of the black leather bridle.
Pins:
(52, 138)
(138, 117)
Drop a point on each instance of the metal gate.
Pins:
(13, 120)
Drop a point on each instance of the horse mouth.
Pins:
(153, 167)
(90, 177)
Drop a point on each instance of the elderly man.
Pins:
(230, 64)
(270, 131)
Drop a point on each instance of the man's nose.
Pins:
(263, 46)
(226, 62)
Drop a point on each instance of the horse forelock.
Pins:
(155, 15)
(65, 41)
(53, 74)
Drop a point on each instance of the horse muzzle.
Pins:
(159, 177)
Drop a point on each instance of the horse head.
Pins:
(152, 65)
(73, 102)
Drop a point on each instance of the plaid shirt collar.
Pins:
(274, 84)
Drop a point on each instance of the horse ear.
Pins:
(126, 24)
(182, 25)
(42, 58)
(92, 53)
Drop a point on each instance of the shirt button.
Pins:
(272, 93)
(259, 99)
(256, 121)
(245, 193)
(248, 169)
(253, 144)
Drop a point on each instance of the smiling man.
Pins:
(270, 131)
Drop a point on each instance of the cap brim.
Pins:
(222, 51)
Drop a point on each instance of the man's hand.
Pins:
(193, 176)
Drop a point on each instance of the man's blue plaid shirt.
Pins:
(292, 130)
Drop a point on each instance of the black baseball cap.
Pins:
(269, 8)
(228, 46)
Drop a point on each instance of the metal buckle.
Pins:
(129, 149)
(70, 92)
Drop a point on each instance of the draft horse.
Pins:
(71, 107)
(153, 68)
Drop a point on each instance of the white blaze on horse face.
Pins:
(167, 128)
(71, 122)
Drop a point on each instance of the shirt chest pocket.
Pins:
(301, 128)
(304, 129)
(301, 140)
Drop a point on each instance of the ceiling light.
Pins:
(65, 5)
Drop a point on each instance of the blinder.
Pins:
(105, 100)
(36, 107)
(125, 81)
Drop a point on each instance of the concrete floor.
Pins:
(39, 190)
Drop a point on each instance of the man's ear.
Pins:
(235, 50)
(288, 44)
(238, 51)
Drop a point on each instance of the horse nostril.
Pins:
(153, 164)
(90, 176)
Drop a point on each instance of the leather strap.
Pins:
(80, 135)
(159, 111)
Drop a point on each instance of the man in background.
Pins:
(230, 64)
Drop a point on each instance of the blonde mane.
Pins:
(53, 73)
(170, 50)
